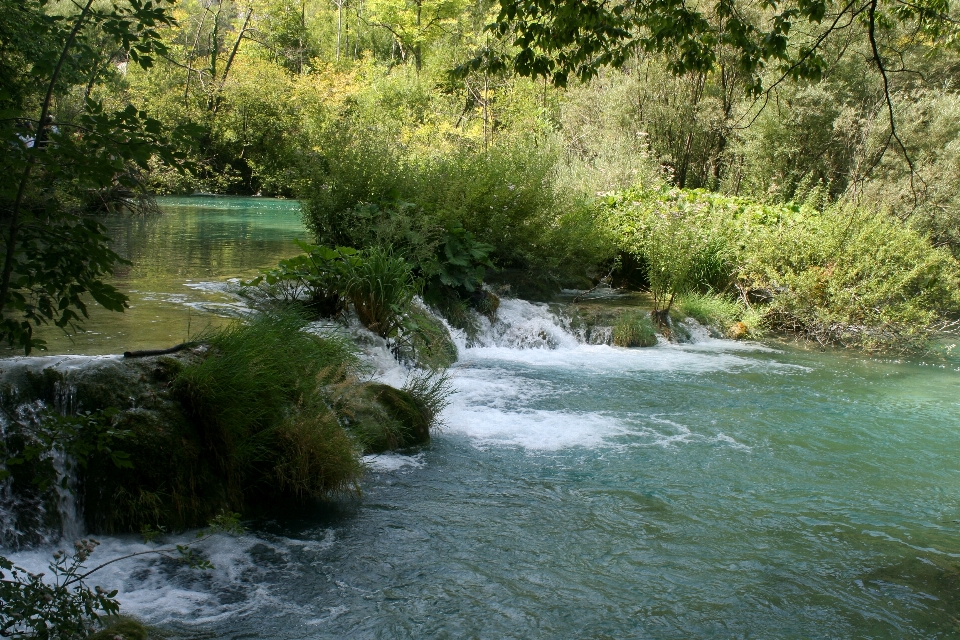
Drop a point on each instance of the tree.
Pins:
(413, 23)
(769, 42)
(61, 168)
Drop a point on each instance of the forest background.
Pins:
(820, 197)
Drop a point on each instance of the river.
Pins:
(716, 489)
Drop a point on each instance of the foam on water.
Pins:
(162, 590)
(388, 462)
(509, 385)
(497, 382)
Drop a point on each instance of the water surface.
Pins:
(718, 489)
(182, 260)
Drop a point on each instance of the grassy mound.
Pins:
(263, 413)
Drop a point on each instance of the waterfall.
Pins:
(31, 514)
(9, 505)
(66, 489)
(519, 324)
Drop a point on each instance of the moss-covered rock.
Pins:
(122, 629)
(394, 419)
(634, 329)
(428, 341)
(623, 321)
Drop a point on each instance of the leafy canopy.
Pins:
(558, 38)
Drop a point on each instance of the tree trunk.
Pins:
(215, 101)
(339, 26)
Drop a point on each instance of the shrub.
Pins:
(676, 235)
(65, 607)
(851, 277)
(452, 213)
(381, 287)
(318, 279)
(842, 275)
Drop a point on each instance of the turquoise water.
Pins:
(718, 489)
(182, 259)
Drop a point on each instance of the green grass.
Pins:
(258, 400)
(717, 313)
(634, 329)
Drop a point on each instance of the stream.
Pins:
(713, 489)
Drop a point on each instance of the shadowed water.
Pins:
(718, 489)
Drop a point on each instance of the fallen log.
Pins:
(158, 352)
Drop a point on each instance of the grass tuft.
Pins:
(634, 329)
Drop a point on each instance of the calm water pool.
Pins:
(182, 260)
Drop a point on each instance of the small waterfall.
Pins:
(66, 490)
(598, 335)
(521, 325)
(64, 398)
(29, 515)
(9, 504)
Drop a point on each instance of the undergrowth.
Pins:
(837, 275)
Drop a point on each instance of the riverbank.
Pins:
(259, 413)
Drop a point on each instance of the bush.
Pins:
(849, 277)
(64, 609)
(677, 237)
(318, 279)
(843, 275)
(452, 213)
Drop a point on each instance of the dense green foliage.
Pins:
(319, 278)
(839, 275)
(486, 174)
(634, 330)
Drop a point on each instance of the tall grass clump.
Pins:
(722, 315)
(381, 287)
(257, 399)
(634, 329)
